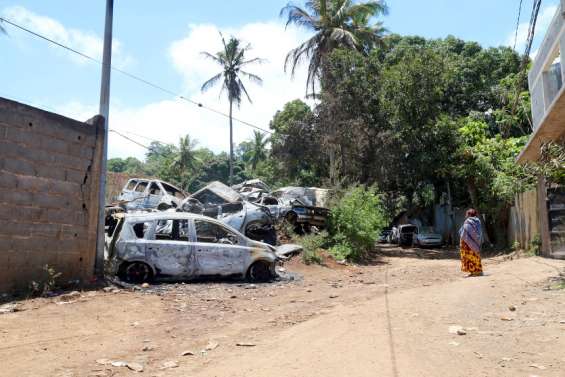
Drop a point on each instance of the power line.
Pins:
(131, 140)
(532, 26)
(133, 77)
(518, 24)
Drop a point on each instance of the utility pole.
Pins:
(105, 112)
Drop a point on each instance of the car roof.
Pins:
(163, 215)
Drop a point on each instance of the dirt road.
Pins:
(389, 318)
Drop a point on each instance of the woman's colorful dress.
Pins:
(470, 246)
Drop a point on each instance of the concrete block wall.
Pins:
(49, 168)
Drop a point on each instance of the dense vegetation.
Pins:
(414, 117)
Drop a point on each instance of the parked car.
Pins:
(383, 237)
(406, 234)
(177, 245)
(150, 194)
(426, 237)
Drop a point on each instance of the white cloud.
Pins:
(544, 20)
(86, 42)
(168, 120)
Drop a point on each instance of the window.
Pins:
(172, 230)
(141, 186)
(270, 201)
(154, 189)
(140, 229)
(209, 232)
(131, 184)
(173, 191)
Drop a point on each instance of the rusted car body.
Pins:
(148, 194)
(183, 246)
(221, 202)
(303, 206)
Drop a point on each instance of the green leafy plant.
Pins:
(312, 244)
(355, 222)
(47, 283)
(535, 246)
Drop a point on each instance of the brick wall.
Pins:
(49, 168)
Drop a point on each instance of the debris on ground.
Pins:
(212, 346)
(245, 344)
(187, 353)
(170, 364)
(136, 367)
(9, 308)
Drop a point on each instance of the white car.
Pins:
(144, 194)
(177, 245)
(426, 237)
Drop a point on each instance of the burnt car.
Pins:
(406, 234)
(184, 246)
(221, 202)
(147, 194)
(303, 207)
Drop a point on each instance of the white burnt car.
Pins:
(184, 246)
(146, 194)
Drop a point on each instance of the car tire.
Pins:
(135, 273)
(259, 272)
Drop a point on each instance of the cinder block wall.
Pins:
(49, 168)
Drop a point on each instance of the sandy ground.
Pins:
(391, 317)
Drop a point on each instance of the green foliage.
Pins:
(312, 245)
(535, 246)
(551, 164)
(355, 222)
(47, 283)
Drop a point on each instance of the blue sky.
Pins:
(162, 44)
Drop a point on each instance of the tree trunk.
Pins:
(230, 181)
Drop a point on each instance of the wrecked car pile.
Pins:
(157, 231)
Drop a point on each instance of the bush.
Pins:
(355, 222)
(312, 243)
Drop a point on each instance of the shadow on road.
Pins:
(395, 251)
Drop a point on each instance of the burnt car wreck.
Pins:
(176, 245)
(157, 231)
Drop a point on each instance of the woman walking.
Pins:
(471, 236)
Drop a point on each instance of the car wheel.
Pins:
(259, 272)
(135, 273)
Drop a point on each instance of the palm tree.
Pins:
(258, 149)
(184, 161)
(232, 59)
(335, 23)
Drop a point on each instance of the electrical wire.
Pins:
(518, 24)
(132, 76)
(131, 140)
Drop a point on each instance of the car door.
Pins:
(218, 249)
(170, 250)
(153, 196)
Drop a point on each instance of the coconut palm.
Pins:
(335, 23)
(258, 150)
(232, 59)
(185, 160)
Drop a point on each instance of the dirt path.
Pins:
(388, 319)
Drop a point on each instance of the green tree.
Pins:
(258, 149)
(184, 164)
(335, 24)
(233, 61)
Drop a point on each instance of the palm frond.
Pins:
(298, 16)
(213, 57)
(211, 82)
(253, 78)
